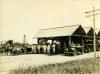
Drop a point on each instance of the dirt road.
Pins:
(12, 62)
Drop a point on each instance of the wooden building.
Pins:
(67, 36)
(88, 40)
(98, 39)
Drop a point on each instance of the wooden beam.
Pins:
(83, 45)
(92, 11)
(69, 41)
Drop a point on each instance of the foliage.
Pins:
(10, 42)
(85, 66)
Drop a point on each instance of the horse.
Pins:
(28, 49)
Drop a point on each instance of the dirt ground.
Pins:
(12, 62)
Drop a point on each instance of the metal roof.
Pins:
(87, 29)
(97, 31)
(58, 31)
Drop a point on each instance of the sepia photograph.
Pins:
(49, 36)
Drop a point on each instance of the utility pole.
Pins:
(24, 39)
(94, 37)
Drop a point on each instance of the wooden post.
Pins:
(69, 41)
(94, 32)
(83, 45)
(94, 40)
(24, 39)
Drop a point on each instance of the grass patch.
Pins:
(85, 66)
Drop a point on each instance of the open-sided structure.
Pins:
(67, 36)
(98, 39)
(69, 39)
(88, 40)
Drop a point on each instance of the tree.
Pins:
(10, 42)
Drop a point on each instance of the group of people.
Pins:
(10, 50)
(49, 48)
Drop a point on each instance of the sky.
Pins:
(19, 17)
